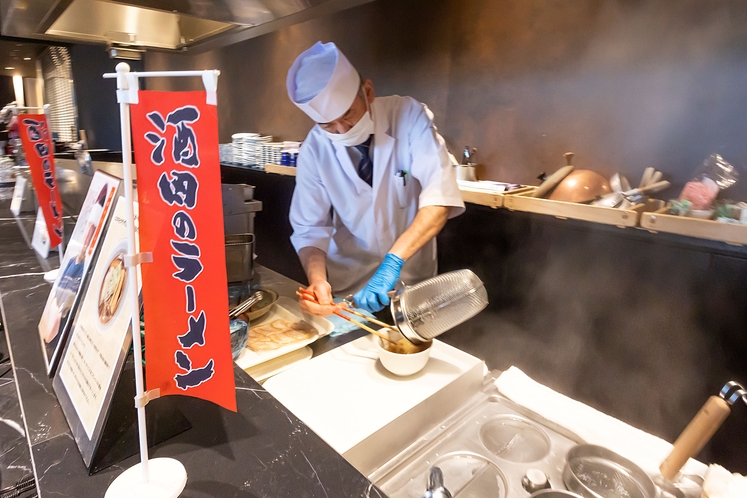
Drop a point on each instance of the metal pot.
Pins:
(596, 472)
(239, 257)
(554, 493)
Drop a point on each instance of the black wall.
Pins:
(7, 94)
(96, 98)
(625, 84)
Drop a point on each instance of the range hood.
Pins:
(158, 24)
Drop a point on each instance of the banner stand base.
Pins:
(51, 275)
(167, 480)
(119, 439)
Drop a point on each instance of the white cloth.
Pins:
(356, 224)
(720, 483)
(322, 82)
(592, 426)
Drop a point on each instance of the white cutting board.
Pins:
(267, 369)
(346, 396)
(285, 309)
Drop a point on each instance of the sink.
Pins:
(484, 450)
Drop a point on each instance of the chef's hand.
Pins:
(323, 292)
(374, 296)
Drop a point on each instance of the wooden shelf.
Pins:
(661, 221)
(651, 217)
(490, 199)
(571, 210)
(280, 170)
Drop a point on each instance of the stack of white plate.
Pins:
(271, 153)
(247, 148)
(244, 148)
(225, 152)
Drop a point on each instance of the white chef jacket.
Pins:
(356, 224)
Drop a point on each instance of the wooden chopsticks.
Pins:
(348, 310)
(369, 318)
(308, 296)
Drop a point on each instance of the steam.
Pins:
(595, 321)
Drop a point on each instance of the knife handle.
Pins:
(697, 433)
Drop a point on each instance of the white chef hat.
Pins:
(322, 82)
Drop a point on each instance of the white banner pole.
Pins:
(169, 475)
(124, 116)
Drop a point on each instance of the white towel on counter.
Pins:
(592, 426)
(719, 483)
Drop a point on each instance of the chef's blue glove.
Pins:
(373, 297)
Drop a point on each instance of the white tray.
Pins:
(284, 309)
(367, 414)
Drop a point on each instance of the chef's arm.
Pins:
(314, 262)
(426, 225)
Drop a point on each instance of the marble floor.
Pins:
(15, 459)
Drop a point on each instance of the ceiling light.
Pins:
(27, 58)
(9, 68)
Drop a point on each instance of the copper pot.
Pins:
(582, 185)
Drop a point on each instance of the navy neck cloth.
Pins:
(365, 165)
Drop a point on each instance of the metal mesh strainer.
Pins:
(428, 309)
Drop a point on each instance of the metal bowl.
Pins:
(596, 472)
(262, 306)
(554, 493)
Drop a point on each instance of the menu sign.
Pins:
(37, 143)
(100, 338)
(40, 237)
(175, 135)
(18, 192)
(65, 295)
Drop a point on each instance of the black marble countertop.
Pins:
(261, 450)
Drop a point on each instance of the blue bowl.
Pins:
(239, 336)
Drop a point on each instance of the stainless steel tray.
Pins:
(484, 450)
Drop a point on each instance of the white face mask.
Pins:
(356, 135)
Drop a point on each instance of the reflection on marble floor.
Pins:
(15, 458)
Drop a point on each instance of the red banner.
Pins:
(185, 289)
(37, 143)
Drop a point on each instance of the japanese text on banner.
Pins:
(37, 143)
(185, 290)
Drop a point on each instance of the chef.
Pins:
(374, 185)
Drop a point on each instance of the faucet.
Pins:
(436, 487)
